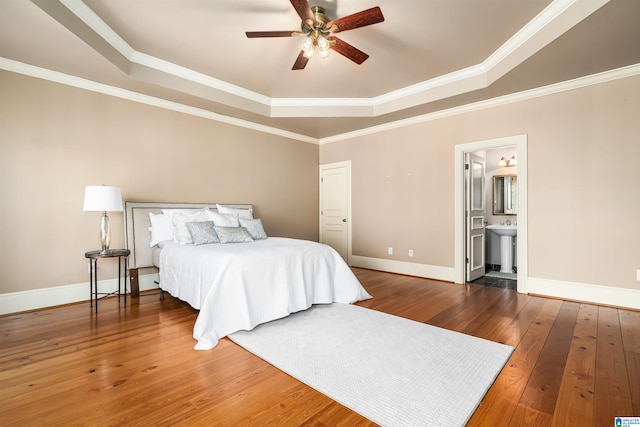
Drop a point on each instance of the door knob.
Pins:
(344, 220)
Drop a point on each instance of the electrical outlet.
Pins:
(410, 252)
(638, 274)
(390, 250)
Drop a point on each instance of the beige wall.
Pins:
(583, 183)
(583, 149)
(55, 140)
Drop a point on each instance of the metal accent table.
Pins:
(94, 256)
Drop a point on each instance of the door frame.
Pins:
(520, 141)
(345, 164)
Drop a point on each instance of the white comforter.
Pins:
(238, 286)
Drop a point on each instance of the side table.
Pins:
(94, 256)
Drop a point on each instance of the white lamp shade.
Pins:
(102, 198)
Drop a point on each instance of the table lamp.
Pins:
(103, 198)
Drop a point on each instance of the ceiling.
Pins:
(425, 57)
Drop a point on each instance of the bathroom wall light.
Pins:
(506, 163)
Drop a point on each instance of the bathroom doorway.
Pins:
(462, 253)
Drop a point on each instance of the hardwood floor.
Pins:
(573, 365)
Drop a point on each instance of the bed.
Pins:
(241, 281)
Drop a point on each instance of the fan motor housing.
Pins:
(318, 13)
(319, 16)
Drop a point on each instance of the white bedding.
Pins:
(238, 286)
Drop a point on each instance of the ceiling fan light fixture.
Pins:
(316, 40)
(307, 47)
(319, 32)
(323, 44)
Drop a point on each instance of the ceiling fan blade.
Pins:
(344, 48)
(304, 10)
(357, 20)
(256, 34)
(301, 62)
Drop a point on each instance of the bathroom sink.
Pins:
(503, 230)
(506, 233)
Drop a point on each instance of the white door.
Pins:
(335, 201)
(475, 211)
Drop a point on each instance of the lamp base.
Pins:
(104, 233)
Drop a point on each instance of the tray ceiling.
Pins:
(425, 57)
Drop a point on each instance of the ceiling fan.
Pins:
(319, 31)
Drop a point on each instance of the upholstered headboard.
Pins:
(137, 223)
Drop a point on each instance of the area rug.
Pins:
(391, 370)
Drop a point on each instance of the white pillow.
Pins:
(170, 212)
(224, 220)
(246, 213)
(161, 229)
(179, 221)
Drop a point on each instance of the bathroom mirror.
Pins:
(505, 195)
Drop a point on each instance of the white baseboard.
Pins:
(597, 294)
(15, 302)
(401, 267)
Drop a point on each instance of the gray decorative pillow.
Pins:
(202, 233)
(233, 234)
(254, 227)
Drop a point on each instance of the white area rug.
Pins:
(393, 371)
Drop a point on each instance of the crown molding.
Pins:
(54, 76)
(57, 77)
(553, 21)
(581, 82)
(89, 17)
